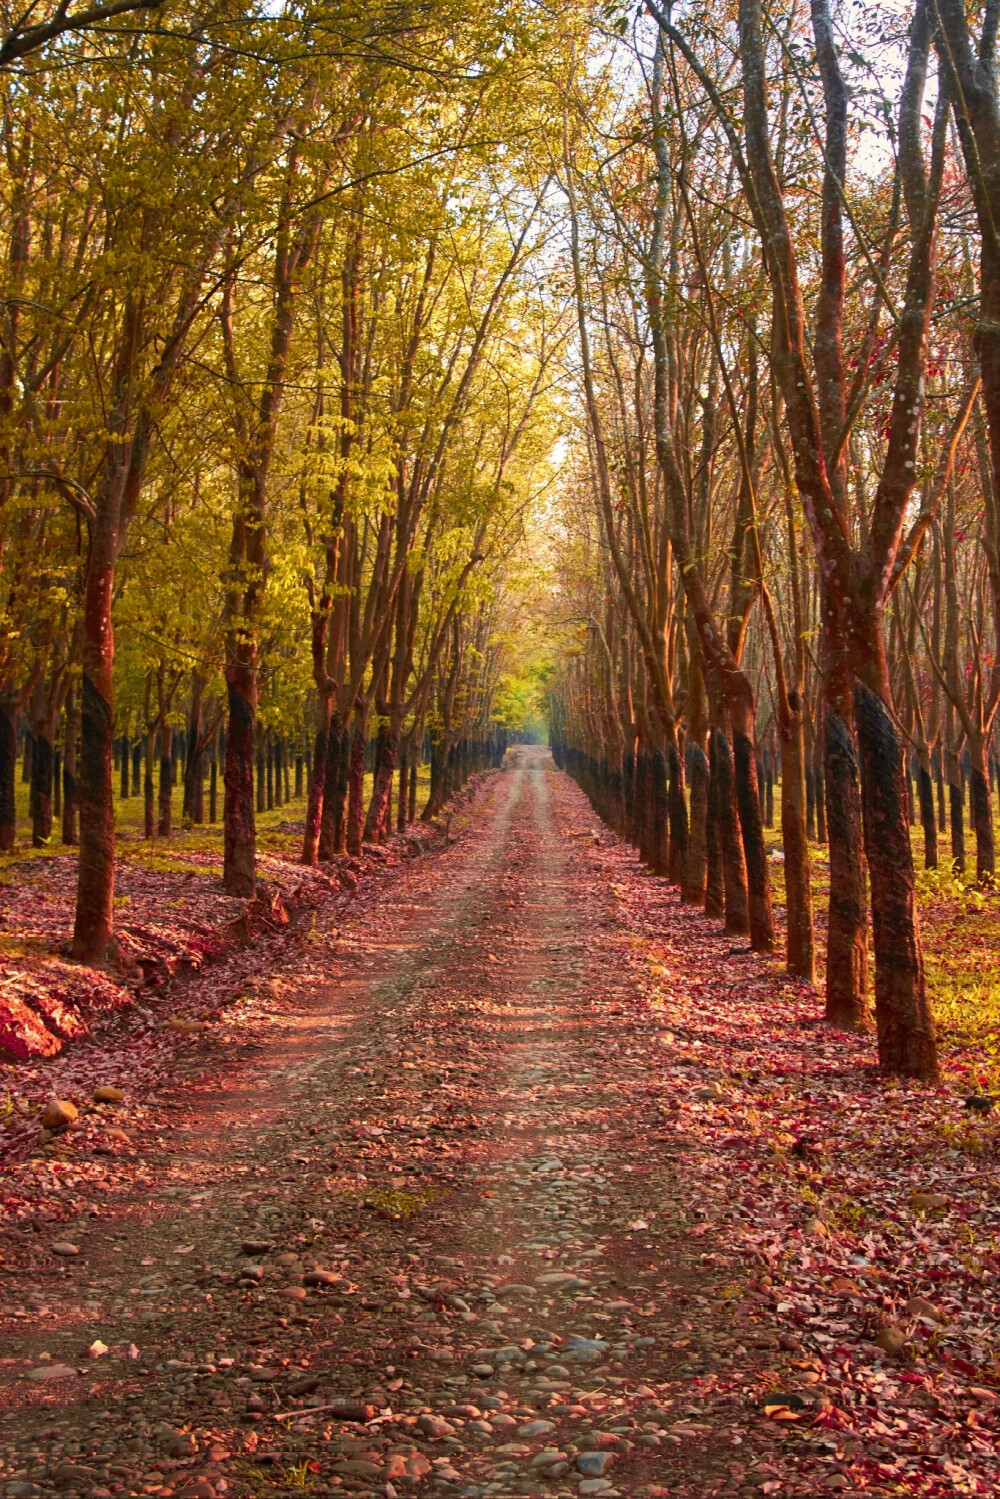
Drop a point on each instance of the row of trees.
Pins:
(786, 493)
(275, 399)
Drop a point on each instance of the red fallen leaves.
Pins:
(803, 1131)
(180, 965)
(169, 923)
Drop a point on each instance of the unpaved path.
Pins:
(453, 1124)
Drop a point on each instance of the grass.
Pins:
(174, 855)
(961, 941)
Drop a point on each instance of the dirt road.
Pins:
(435, 1191)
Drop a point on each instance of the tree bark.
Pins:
(314, 806)
(388, 749)
(847, 935)
(905, 1027)
(801, 957)
(42, 763)
(734, 873)
(696, 865)
(8, 764)
(239, 841)
(71, 734)
(981, 814)
(928, 819)
(164, 826)
(356, 781)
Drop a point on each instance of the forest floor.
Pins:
(508, 1176)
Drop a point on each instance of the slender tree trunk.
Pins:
(801, 957)
(356, 782)
(981, 812)
(819, 791)
(696, 864)
(71, 734)
(734, 872)
(260, 780)
(715, 879)
(404, 750)
(149, 788)
(8, 764)
(240, 869)
(956, 811)
(677, 816)
(330, 779)
(166, 798)
(660, 859)
(925, 789)
(93, 925)
(41, 785)
(847, 935)
(314, 807)
(761, 919)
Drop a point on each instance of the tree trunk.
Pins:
(260, 780)
(820, 789)
(70, 739)
(801, 956)
(378, 807)
(41, 786)
(677, 817)
(761, 918)
(734, 874)
(905, 1027)
(93, 924)
(330, 780)
(435, 796)
(404, 750)
(925, 790)
(356, 781)
(166, 800)
(696, 864)
(239, 841)
(314, 807)
(8, 765)
(213, 783)
(956, 811)
(715, 880)
(149, 788)
(659, 853)
(981, 813)
(847, 936)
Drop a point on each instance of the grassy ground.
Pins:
(961, 940)
(275, 833)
